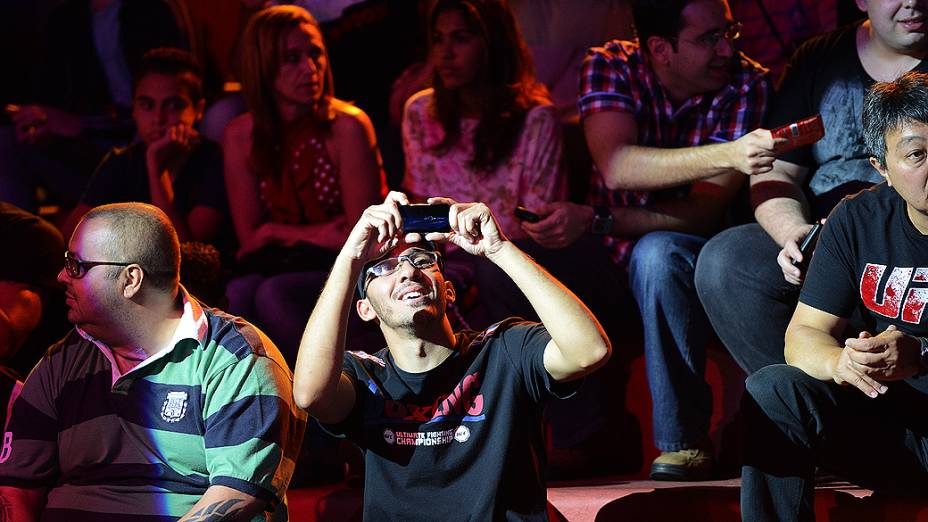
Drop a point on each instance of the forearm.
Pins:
(21, 505)
(578, 335)
(812, 350)
(635, 167)
(780, 216)
(162, 196)
(221, 503)
(317, 373)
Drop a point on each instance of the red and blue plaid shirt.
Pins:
(618, 77)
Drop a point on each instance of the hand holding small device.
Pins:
(524, 214)
(803, 132)
(424, 218)
(808, 245)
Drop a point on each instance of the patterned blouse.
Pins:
(307, 189)
(532, 174)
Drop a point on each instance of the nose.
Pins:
(725, 47)
(62, 276)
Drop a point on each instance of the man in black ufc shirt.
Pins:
(856, 405)
(450, 422)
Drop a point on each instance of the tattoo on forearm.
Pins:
(222, 510)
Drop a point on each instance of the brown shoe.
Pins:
(687, 464)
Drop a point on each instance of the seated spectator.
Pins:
(31, 304)
(671, 122)
(83, 96)
(854, 406)
(450, 421)
(171, 166)
(747, 277)
(152, 407)
(300, 166)
(487, 130)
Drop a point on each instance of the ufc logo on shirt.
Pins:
(904, 295)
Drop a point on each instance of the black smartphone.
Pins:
(524, 214)
(808, 244)
(423, 218)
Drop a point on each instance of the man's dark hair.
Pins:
(889, 105)
(662, 18)
(173, 62)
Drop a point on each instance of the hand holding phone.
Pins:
(803, 132)
(424, 218)
(524, 214)
(808, 245)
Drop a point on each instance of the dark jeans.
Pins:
(794, 422)
(745, 296)
(660, 274)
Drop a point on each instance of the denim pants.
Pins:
(745, 296)
(794, 422)
(675, 334)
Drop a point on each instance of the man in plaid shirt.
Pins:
(672, 124)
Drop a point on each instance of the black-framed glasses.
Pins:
(711, 39)
(420, 259)
(76, 268)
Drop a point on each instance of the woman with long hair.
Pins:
(301, 166)
(486, 130)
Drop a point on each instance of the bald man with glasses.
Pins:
(153, 406)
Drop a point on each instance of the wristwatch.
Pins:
(602, 220)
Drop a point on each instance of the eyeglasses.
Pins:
(420, 259)
(76, 269)
(711, 39)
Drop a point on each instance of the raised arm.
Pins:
(578, 343)
(319, 386)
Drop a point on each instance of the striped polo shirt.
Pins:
(214, 407)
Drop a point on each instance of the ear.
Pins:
(132, 284)
(450, 293)
(365, 310)
(875, 163)
(659, 49)
(862, 5)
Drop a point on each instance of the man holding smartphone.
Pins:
(449, 420)
(854, 405)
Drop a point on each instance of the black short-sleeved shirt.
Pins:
(463, 441)
(871, 256)
(825, 77)
(123, 176)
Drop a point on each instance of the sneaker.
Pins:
(686, 464)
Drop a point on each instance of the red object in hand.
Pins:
(803, 132)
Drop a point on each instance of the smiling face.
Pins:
(301, 77)
(408, 296)
(93, 300)
(702, 60)
(161, 101)
(906, 168)
(899, 24)
(458, 51)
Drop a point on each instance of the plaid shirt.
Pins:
(618, 77)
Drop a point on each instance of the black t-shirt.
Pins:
(825, 77)
(871, 257)
(463, 441)
(122, 176)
